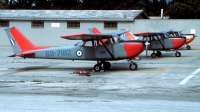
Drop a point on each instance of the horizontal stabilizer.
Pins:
(24, 54)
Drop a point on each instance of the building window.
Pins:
(73, 24)
(110, 24)
(37, 24)
(4, 23)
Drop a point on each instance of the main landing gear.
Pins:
(98, 68)
(107, 65)
(159, 54)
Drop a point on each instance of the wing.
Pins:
(148, 34)
(84, 36)
(94, 36)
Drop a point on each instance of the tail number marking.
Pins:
(58, 53)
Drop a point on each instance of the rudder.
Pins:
(19, 42)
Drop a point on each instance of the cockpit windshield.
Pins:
(78, 43)
(118, 38)
(139, 37)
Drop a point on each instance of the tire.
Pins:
(106, 65)
(188, 47)
(97, 68)
(133, 66)
(159, 54)
(153, 55)
(178, 54)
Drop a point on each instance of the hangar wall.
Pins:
(50, 36)
(177, 24)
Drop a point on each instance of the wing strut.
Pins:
(161, 43)
(107, 49)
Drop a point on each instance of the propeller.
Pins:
(146, 44)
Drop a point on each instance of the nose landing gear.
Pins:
(188, 47)
(132, 65)
(178, 54)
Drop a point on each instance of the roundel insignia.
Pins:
(79, 53)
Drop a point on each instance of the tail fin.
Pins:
(94, 31)
(130, 36)
(19, 42)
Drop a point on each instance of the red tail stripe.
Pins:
(23, 42)
(95, 31)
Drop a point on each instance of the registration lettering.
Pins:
(58, 53)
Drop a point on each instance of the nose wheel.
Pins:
(133, 66)
(178, 54)
(188, 47)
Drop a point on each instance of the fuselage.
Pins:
(159, 41)
(189, 37)
(121, 50)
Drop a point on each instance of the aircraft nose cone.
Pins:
(178, 42)
(133, 49)
(189, 38)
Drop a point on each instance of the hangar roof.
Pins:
(84, 15)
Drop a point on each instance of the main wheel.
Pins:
(188, 47)
(153, 55)
(178, 54)
(106, 65)
(97, 68)
(133, 66)
(159, 54)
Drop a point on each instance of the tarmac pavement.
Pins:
(167, 83)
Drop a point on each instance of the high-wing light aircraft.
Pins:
(156, 41)
(93, 47)
(189, 37)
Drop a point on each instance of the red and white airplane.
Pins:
(93, 47)
(189, 37)
(155, 41)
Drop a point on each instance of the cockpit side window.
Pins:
(88, 43)
(146, 38)
(140, 37)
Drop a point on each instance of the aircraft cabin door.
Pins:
(168, 42)
(157, 42)
(100, 50)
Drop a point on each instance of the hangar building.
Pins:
(44, 27)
